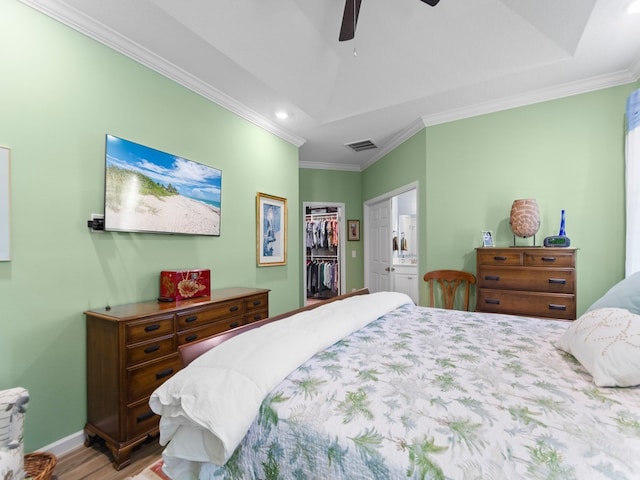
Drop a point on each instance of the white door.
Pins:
(379, 231)
(380, 263)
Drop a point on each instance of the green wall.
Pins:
(403, 166)
(60, 93)
(337, 187)
(566, 153)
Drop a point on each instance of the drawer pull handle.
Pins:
(500, 258)
(492, 277)
(151, 328)
(257, 317)
(152, 348)
(256, 302)
(492, 302)
(560, 281)
(191, 338)
(164, 373)
(548, 259)
(235, 308)
(190, 319)
(555, 306)
(234, 325)
(144, 416)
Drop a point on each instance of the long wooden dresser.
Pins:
(132, 349)
(531, 281)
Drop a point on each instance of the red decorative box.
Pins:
(182, 284)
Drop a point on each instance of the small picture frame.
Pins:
(353, 229)
(487, 239)
(271, 230)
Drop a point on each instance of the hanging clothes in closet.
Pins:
(322, 241)
(322, 233)
(323, 278)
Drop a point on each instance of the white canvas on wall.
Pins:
(5, 200)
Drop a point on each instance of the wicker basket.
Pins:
(39, 465)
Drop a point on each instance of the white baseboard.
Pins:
(65, 445)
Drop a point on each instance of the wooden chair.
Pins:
(449, 281)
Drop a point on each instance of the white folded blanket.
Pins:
(219, 394)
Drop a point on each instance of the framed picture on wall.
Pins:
(353, 228)
(271, 230)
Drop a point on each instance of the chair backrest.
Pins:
(449, 281)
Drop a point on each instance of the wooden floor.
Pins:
(95, 462)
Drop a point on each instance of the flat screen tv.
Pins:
(147, 190)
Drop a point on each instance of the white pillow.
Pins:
(606, 342)
(624, 294)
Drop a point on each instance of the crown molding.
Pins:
(530, 98)
(395, 141)
(635, 69)
(80, 22)
(330, 166)
(401, 137)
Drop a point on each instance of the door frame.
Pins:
(342, 232)
(366, 224)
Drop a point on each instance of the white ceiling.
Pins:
(415, 65)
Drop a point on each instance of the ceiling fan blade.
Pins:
(350, 19)
(433, 3)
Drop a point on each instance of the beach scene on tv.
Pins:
(147, 190)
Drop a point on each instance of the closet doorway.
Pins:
(323, 247)
(391, 242)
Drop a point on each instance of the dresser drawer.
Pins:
(257, 302)
(499, 257)
(156, 348)
(547, 258)
(553, 280)
(255, 316)
(535, 304)
(149, 328)
(141, 419)
(193, 334)
(143, 380)
(219, 311)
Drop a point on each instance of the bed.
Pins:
(405, 391)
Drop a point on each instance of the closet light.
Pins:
(282, 115)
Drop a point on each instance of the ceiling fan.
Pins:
(350, 18)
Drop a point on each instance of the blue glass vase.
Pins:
(562, 233)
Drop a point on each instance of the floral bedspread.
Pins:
(435, 394)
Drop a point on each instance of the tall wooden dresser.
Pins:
(531, 281)
(132, 349)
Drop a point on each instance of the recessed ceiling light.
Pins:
(282, 115)
(634, 7)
